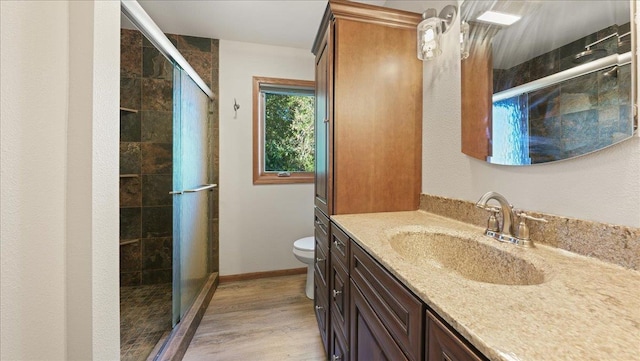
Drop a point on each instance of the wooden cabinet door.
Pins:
(377, 110)
(369, 339)
(444, 345)
(400, 311)
(322, 127)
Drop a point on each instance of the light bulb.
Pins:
(429, 38)
(464, 40)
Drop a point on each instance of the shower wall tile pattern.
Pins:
(146, 149)
(580, 115)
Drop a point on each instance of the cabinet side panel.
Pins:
(377, 118)
(477, 105)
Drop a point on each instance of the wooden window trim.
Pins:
(259, 174)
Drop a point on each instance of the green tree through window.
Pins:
(283, 135)
(288, 138)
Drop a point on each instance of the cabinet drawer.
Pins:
(399, 310)
(340, 246)
(339, 349)
(321, 309)
(321, 264)
(321, 225)
(339, 297)
(444, 344)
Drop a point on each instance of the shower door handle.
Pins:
(203, 188)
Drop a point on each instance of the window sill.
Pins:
(272, 178)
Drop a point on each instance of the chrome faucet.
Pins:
(510, 232)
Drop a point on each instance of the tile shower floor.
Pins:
(145, 317)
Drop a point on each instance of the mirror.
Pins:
(556, 84)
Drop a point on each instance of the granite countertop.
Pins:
(585, 310)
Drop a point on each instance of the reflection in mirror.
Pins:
(556, 84)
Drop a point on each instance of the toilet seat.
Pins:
(305, 244)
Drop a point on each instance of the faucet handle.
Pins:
(522, 231)
(521, 214)
(492, 224)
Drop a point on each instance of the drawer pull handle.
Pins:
(338, 244)
(318, 260)
(336, 293)
(319, 308)
(321, 225)
(336, 358)
(325, 120)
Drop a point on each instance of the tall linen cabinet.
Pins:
(368, 131)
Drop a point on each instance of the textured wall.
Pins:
(258, 223)
(33, 155)
(92, 188)
(59, 258)
(604, 186)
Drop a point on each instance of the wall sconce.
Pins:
(431, 29)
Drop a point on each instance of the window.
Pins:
(283, 120)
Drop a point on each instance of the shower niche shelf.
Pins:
(128, 110)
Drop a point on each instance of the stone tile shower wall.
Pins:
(579, 115)
(146, 149)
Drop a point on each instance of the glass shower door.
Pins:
(191, 199)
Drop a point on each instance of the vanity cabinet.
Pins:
(368, 121)
(375, 317)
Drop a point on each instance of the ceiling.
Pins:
(290, 23)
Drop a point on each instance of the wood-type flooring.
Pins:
(262, 319)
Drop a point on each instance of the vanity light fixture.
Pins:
(431, 29)
(464, 40)
(498, 18)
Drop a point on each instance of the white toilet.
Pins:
(304, 249)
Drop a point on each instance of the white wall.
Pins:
(59, 180)
(258, 224)
(33, 132)
(93, 136)
(604, 186)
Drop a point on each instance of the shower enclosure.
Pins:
(168, 196)
(191, 196)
